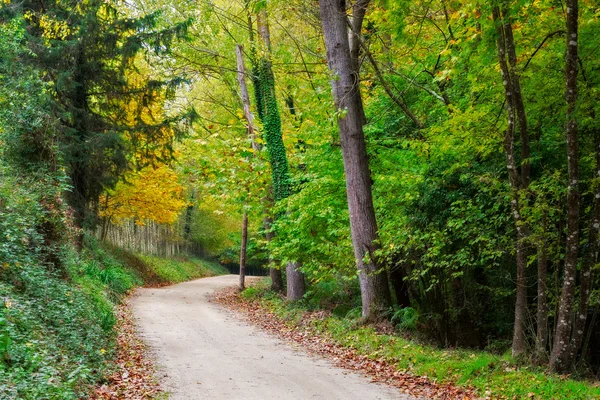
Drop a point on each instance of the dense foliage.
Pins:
(477, 122)
(438, 127)
(57, 156)
(56, 333)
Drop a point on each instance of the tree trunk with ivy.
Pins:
(271, 120)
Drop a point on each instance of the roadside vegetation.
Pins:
(57, 327)
(491, 374)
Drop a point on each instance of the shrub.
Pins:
(405, 318)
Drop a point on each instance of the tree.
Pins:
(88, 53)
(269, 114)
(564, 351)
(241, 70)
(151, 194)
(519, 175)
(345, 84)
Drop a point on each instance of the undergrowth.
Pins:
(56, 331)
(57, 306)
(491, 375)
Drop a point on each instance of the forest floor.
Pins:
(203, 350)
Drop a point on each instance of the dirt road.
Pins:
(205, 352)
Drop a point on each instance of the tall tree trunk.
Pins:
(273, 134)
(590, 260)
(78, 166)
(251, 135)
(518, 177)
(375, 291)
(274, 273)
(560, 359)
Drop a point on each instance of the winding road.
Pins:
(205, 352)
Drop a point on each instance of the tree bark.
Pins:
(560, 359)
(518, 178)
(241, 71)
(274, 273)
(590, 260)
(295, 282)
(375, 292)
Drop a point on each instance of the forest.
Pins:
(430, 163)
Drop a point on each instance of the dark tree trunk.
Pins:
(401, 287)
(274, 273)
(373, 281)
(79, 197)
(590, 260)
(518, 177)
(295, 282)
(243, 248)
(561, 359)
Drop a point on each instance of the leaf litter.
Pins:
(133, 377)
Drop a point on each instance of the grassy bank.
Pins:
(492, 376)
(57, 327)
(160, 271)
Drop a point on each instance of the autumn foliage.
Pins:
(152, 194)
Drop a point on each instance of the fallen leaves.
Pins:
(378, 369)
(133, 377)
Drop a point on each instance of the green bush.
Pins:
(405, 318)
(56, 335)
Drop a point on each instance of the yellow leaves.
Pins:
(152, 194)
(52, 29)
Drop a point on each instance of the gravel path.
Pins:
(205, 352)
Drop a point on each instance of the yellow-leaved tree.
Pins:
(151, 194)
